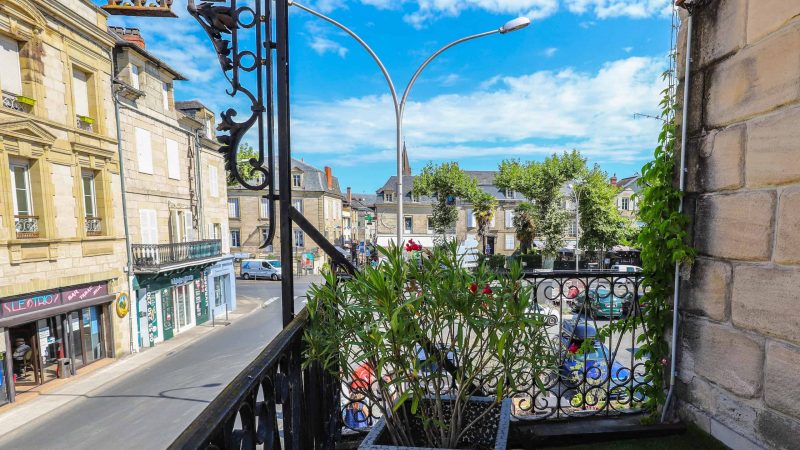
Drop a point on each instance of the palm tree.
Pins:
(483, 206)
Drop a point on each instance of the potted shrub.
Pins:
(429, 348)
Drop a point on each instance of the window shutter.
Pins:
(144, 151)
(10, 78)
(470, 218)
(213, 180)
(188, 227)
(175, 226)
(80, 92)
(165, 95)
(135, 76)
(494, 216)
(264, 208)
(173, 162)
(509, 218)
(148, 225)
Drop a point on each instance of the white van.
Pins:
(260, 268)
(624, 268)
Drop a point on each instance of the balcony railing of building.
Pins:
(17, 102)
(607, 381)
(155, 257)
(94, 226)
(27, 227)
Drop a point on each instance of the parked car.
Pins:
(260, 268)
(625, 268)
(603, 302)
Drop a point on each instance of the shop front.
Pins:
(222, 287)
(50, 335)
(170, 303)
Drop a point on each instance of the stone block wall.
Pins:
(740, 322)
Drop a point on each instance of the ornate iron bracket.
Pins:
(223, 25)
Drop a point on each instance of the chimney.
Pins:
(614, 180)
(329, 177)
(131, 35)
(349, 195)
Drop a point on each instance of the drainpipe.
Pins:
(682, 177)
(133, 325)
(198, 183)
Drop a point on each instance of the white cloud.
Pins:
(627, 49)
(529, 115)
(323, 45)
(429, 10)
(604, 9)
(549, 52)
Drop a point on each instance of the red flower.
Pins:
(473, 288)
(573, 348)
(412, 246)
(486, 290)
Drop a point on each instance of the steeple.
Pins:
(406, 164)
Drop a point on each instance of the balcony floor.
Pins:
(693, 437)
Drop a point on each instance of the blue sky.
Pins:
(573, 79)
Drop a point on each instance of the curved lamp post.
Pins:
(399, 105)
(577, 221)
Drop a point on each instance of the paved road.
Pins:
(151, 406)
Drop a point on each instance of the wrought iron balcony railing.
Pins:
(94, 226)
(84, 123)
(607, 381)
(155, 257)
(12, 101)
(27, 227)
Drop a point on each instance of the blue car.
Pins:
(592, 365)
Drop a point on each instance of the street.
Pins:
(151, 406)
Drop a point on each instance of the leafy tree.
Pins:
(602, 225)
(483, 206)
(445, 182)
(525, 224)
(541, 182)
(243, 157)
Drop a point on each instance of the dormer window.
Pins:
(388, 196)
(297, 180)
(510, 194)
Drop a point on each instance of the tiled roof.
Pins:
(190, 104)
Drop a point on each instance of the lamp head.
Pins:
(515, 24)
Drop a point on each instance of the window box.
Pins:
(26, 100)
(86, 119)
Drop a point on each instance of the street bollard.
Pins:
(226, 312)
(213, 324)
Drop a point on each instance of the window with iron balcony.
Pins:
(83, 91)
(92, 221)
(26, 222)
(17, 95)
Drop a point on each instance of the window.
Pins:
(188, 227)
(214, 231)
(510, 194)
(213, 180)
(324, 207)
(10, 74)
(148, 226)
(144, 151)
(625, 203)
(89, 194)
(509, 218)
(264, 208)
(408, 224)
(430, 224)
(173, 161)
(299, 238)
(235, 237)
(492, 222)
(297, 180)
(264, 232)
(233, 208)
(165, 95)
(415, 198)
(209, 128)
(20, 179)
(135, 76)
(470, 218)
(80, 92)
(388, 196)
(573, 228)
(221, 288)
(298, 205)
(509, 242)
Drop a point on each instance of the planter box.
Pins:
(26, 100)
(86, 119)
(490, 433)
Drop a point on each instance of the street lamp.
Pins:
(399, 106)
(577, 221)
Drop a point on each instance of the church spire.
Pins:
(406, 164)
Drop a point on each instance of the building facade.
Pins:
(627, 201)
(315, 193)
(62, 242)
(417, 213)
(175, 192)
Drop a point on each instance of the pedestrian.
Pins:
(20, 350)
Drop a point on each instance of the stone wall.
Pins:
(740, 345)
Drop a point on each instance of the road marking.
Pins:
(270, 301)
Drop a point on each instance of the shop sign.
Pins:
(82, 293)
(122, 305)
(23, 305)
(181, 280)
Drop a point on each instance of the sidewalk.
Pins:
(34, 405)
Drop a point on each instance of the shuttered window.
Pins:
(264, 209)
(470, 218)
(10, 79)
(188, 227)
(509, 218)
(144, 151)
(149, 226)
(80, 92)
(135, 76)
(165, 95)
(173, 162)
(509, 242)
(213, 180)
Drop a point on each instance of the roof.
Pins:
(190, 104)
(630, 182)
(363, 201)
(122, 43)
(485, 180)
(408, 186)
(313, 179)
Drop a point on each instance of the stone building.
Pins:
(416, 214)
(61, 223)
(740, 346)
(501, 236)
(315, 193)
(175, 192)
(626, 200)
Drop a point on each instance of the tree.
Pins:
(483, 206)
(525, 224)
(446, 183)
(541, 182)
(602, 225)
(243, 157)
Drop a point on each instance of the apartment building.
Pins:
(417, 211)
(626, 201)
(175, 191)
(62, 242)
(315, 193)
